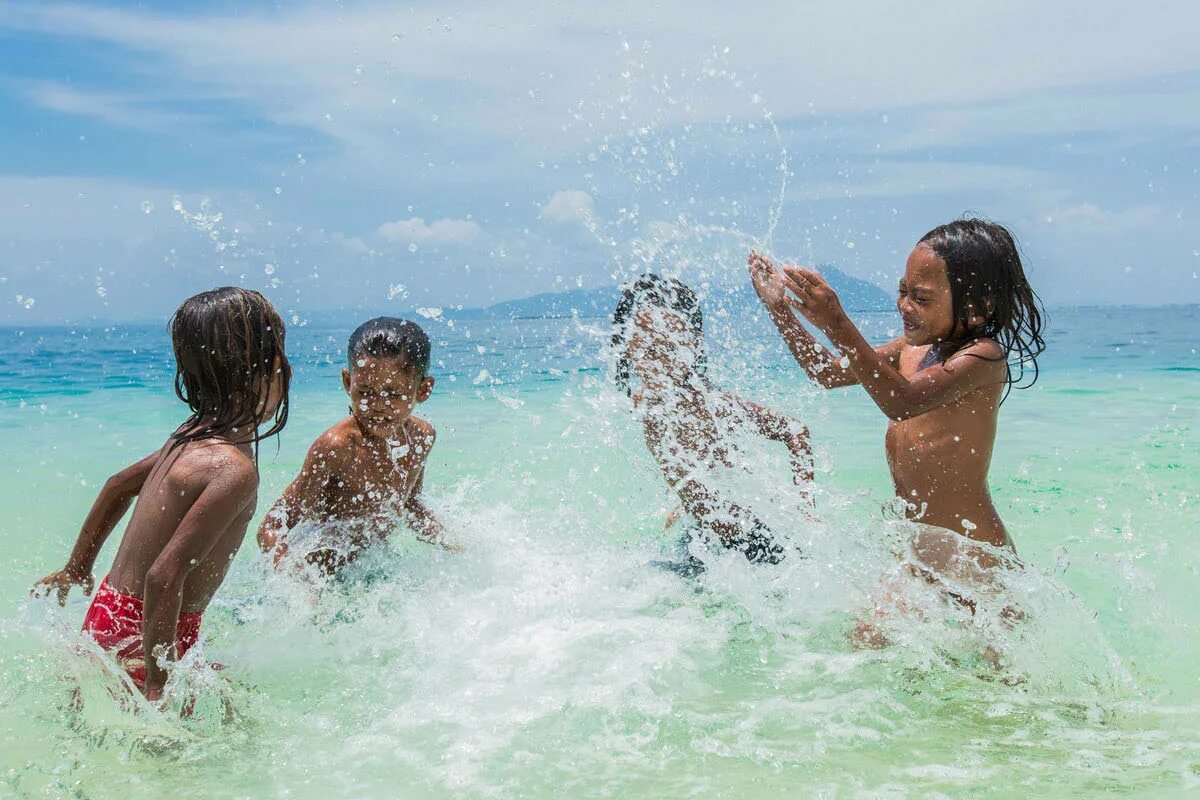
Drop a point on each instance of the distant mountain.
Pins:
(855, 294)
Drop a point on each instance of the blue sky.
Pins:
(342, 155)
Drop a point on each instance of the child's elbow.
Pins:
(164, 577)
(118, 486)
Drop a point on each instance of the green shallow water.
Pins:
(548, 660)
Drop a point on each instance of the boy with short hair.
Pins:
(366, 472)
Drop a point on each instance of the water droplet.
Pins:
(147, 206)
(412, 248)
(269, 269)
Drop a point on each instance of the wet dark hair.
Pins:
(988, 281)
(226, 342)
(654, 291)
(389, 337)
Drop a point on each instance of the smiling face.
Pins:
(924, 300)
(383, 393)
(662, 348)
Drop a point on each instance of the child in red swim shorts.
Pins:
(196, 495)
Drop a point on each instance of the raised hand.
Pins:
(818, 302)
(61, 582)
(769, 283)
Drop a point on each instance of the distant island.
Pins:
(856, 295)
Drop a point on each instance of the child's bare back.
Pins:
(196, 502)
(195, 496)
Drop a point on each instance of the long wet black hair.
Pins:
(226, 343)
(654, 291)
(988, 283)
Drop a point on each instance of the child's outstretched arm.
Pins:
(789, 431)
(111, 504)
(814, 358)
(325, 458)
(822, 366)
(232, 486)
(898, 397)
(422, 520)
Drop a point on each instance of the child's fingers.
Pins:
(88, 585)
(792, 286)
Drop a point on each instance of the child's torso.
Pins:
(693, 436)
(939, 460)
(368, 495)
(173, 487)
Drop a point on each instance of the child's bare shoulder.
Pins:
(200, 464)
(984, 350)
(339, 441)
(422, 431)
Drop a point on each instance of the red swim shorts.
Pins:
(114, 620)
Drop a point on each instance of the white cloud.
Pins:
(442, 231)
(126, 111)
(570, 205)
(353, 71)
(1092, 215)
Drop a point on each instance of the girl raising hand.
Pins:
(971, 325)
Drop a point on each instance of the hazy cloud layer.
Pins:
(520, 150)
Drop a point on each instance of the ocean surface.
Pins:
(550, 660)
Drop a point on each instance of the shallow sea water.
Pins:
(550, 660)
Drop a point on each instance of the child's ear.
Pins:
(425, 389)
(346, 380)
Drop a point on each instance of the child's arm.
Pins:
(231, 489)
(818, 363)
(898, 397)
(325, 458)
(422, 520)
(419, 517)
(111, 504)
(789, 431)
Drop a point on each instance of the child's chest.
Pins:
(374, 480)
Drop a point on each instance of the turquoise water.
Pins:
(548, 660)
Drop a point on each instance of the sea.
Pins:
(551, 659)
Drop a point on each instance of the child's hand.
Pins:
(818, 301)
(61, 582)
(770, 284)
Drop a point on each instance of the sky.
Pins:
(383, 156)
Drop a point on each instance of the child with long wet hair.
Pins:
(972, 331)
(690, 425)
(195, 494)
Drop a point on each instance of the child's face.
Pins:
(383, 393)
(662, 348)
(924, 301)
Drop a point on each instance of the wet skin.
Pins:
(366, 472)
(684, 416)
(942, 414)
